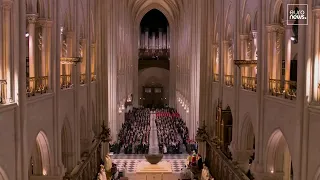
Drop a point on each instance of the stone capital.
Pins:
(288, 23)
(244, 36)
(42, 22)
(7, 5)
(69, 34)
(316, 12)
(32, 18)
(254, 34)
(275, 28)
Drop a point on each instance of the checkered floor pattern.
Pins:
(177, 161)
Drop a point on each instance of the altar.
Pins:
(160, 171)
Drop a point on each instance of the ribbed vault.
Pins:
(170, 8)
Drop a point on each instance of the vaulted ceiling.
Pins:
(170, 8)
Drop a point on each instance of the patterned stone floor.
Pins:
(177, 161)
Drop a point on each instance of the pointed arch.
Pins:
(229, 34)
(247, 133)
(66, 144)
(93, 36)
(278, 156)
(40, 158)
(247, 24)
(216, 29)
(278, 12)
(3, 175)
(226, 21)
(255, 21)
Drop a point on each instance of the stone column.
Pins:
(32, 45)
(69, 42)
(83, 43)
(316, 63)
(48, 52)
(243, 52)
(43, 62)
(6, 46)
(287, 49)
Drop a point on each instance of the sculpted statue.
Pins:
(205, 173)
(108, 166)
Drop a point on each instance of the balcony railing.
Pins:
(89, 167)
(154, 54)
(82, 78)
(229, 80)
(249, 83)
(3, 91)
(285, 89)
(93, 77)
(222, 168)
(216, 77)
(65, 81)
(37, 85)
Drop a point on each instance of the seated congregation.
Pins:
(171, 130)
(133, 137)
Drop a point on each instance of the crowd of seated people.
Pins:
(134, 134)
(171, 130)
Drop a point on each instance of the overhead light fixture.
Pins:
(27, 34)
(292, 38)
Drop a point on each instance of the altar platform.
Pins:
(147, 171)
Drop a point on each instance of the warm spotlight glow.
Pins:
(187, 110)
(271, 171)
(61, 30)
(292, 38)
(120, 110)
(122, 107)
(27, 35)
(44, 172)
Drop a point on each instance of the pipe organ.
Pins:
(155, 40)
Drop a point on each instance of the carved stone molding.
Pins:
(32, 18)
(255, 34)
(7, 5)
(42, 22)
(69, 34)
(275, 28)
(244, 36)
(215, 45)
(316, 13)
(288, 23)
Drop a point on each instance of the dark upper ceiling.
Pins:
(154, 20)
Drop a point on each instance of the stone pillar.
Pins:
(43, 70)
(93, 59)
(226, 58)
(48, 52)
(6, 46)
(316, 63)
(32, 45)
(243, 52)
(83, 65)
(287, 49)
(69, 42)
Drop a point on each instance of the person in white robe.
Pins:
(164, 149)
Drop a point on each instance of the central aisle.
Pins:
(153, 138)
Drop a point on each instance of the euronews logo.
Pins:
(297, 13)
